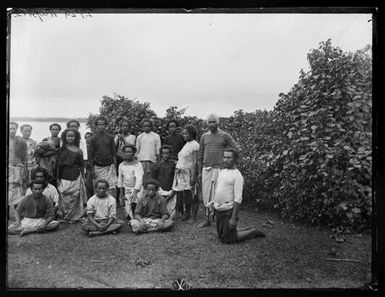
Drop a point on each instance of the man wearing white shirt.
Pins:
(227, 201)
(148, 145)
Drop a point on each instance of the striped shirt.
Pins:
(211, 148)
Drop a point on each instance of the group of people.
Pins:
(68, 179)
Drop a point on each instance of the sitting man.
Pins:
(101, 210)
(227, 201)
(151, 211)
(40, 174)
(35, 213)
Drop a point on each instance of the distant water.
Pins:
(40, 130)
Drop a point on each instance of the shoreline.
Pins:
(52, 119)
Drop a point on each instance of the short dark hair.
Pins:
(54, 124)
(165, 146)
(39, 169)
(25, 125)
(100, 118)
(125, 120)
(88, 133)
(172, 121)
(147, 120)
(72, 121)
(234, 152)
(152, 181)
(35, 182)
(133, 147)
(192, 131)
(102, 181)
(14, 123)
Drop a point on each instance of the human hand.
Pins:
(232, 224)
(102, 226)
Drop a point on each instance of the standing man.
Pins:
(210, 161)
(148, 145)
(102, 155)
(26, 131)
(17, 168)
(54, 138)
(46, 152)
(227, 201)
(174, 139)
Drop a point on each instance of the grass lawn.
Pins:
(290, 256)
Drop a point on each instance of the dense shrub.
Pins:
(320, 163)
(119, 107)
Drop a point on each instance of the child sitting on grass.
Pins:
(151, 212)
(101, 211)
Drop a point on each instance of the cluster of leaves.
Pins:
(319, 165)
(120, 107)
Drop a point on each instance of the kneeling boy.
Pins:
(151, 211)
(101, 211)
(35, 213)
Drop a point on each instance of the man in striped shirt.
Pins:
(210, 161)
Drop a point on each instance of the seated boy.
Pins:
(101, 211)
(151, 211)
(35, 213)
(40, 174)
(164, 172)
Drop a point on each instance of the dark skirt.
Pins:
(224, 233)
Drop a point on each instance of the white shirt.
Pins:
(49, 191)
(186, 155)
(229, 189)
(102, 208)
(130, 175)
(148, 145)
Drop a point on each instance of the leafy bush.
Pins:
(320, 164)
(119, 107)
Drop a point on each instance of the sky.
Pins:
(63, 66)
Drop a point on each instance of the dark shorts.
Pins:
(224, 234)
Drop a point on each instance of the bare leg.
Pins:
(31, 230)
(247, 234)
(14, 230)
(167, 225)
(129, 210)
(51, 226)
(112, 228)
(207, 221)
